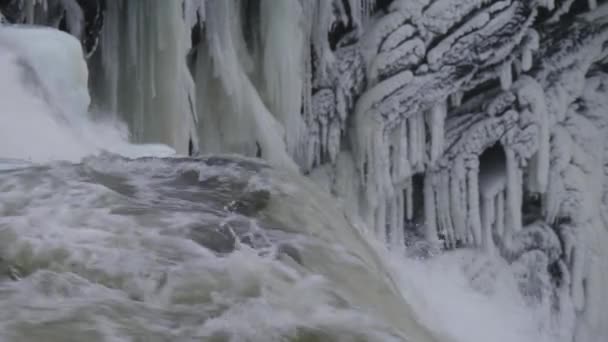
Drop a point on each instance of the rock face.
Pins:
(479, 122)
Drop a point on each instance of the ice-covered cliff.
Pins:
(474, 123)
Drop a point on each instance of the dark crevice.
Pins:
(93, 11)
(480, 89)
(417, 199)
(339, 29)
(383, 5)
(493, 157)
(258, 150)
(532, 207)
(414, 228)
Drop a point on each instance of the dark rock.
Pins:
(11, 10)
(93, 11)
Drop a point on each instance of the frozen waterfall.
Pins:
(466, 132)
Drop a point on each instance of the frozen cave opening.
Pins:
(492, 161)
(532, 208)
(414, 224)
(492, 186)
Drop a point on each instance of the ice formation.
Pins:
(481, 121)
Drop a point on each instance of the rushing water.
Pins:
(221, 248)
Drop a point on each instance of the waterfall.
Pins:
(437, 126)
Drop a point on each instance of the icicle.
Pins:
(110, 55)
(284, 45)
(443, 204)
(530, 93)
(401, 164)
(381, 164)
(373, 152)
(381, 221)
(474, 212)
(400, 228)
(229, 100)
(333, 140)
(307, 108)
(409, 201)
(438, 116)
(321, 16)
(514, 185)
(488, 218)
(506, 76)
(143, 74)
(361, 11)
(379, 179)
(526, 59)
(29, 11)
(532, 44)
(429, 210)
(421, 143)
(413, 145)
(544, 149)
(405, 167)
(500, 214)
(154, 42)
(457, 208)
(397, 220)
(392, 221)
(456, 98)
(417, 144)
(324, 133)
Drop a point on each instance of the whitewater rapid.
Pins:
(113, 249)
(221, 248)
(96, 246)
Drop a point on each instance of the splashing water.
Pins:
(45, 101)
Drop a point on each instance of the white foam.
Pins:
(470, 297)
(44, 101)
